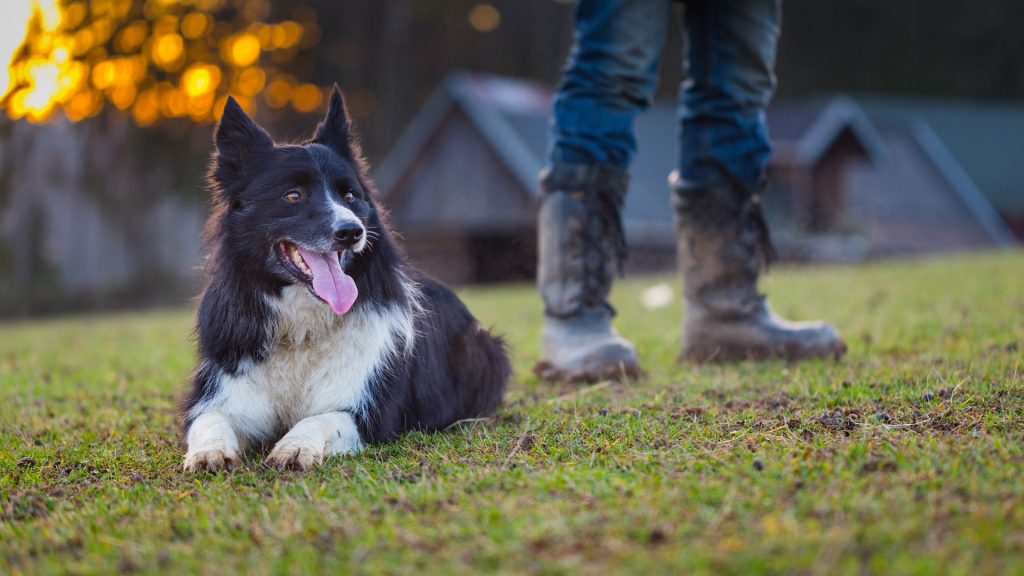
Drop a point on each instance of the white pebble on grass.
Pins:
(657, 296)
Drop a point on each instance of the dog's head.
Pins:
(296, 213)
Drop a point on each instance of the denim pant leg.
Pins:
(611, 75)
(730, 79)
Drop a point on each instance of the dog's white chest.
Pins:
(318, 363)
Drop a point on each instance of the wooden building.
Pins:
(461, 184)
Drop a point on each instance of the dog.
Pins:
(314, 334)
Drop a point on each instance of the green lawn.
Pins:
(906, 457)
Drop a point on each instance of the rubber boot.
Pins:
(581, 247)
(723, 244)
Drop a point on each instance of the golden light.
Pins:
(196, 25)
(166, 24)
(102, 30)
(84, 41)
(201, 106)
(484, 17)
(49, 12)
(218, 107)
(14, 28)
(83, 104)
(200, 79)
(209, 5)
(74, 14)
(251, 81)
(152, 59)
(147, 108)
(286, 34)
(122, 96)
(131, 38)
(61, 55)
(16, 108)
(103, 74)
(174, 103)
(306, 98)
(48, 82)
(278, 93)
(43, 80)
(244, 50)
(128, 69)
(167, 50)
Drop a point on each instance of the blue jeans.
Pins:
(613, 71)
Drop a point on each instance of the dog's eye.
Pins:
(292, 196)
(350, 197)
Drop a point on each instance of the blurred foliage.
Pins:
(154, 59)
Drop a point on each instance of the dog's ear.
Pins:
(238, 140)
(335, 130)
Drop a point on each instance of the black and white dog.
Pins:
(313, 331)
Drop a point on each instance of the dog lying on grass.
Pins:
(314, 334)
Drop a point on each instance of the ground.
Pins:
(906, 457)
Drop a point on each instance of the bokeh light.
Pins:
(306, 98)
(200, 79)
(484, 17)
(244, 50)
(152, 59)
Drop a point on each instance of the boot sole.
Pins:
(705, 354)
(620, 372)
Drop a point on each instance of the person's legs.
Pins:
(730, 79)
(610, 77)
(723, 241)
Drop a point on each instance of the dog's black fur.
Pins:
(455, 370)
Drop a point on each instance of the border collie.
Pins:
(313, 332)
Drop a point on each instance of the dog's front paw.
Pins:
(294, 454)
(211, 460)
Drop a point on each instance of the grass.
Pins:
(906, 457)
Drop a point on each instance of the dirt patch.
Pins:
(525, 442)
(732, 405)
(25, 505)
(944, 423)
(688, 411)
(878, 465)
(839, 420)
(775, 401)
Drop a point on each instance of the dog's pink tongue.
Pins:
(330, 282)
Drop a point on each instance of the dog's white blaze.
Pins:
(343, 215)
(319, 363)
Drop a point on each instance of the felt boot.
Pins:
(581, 247)
(723, 244)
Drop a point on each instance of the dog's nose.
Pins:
(349, 234)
